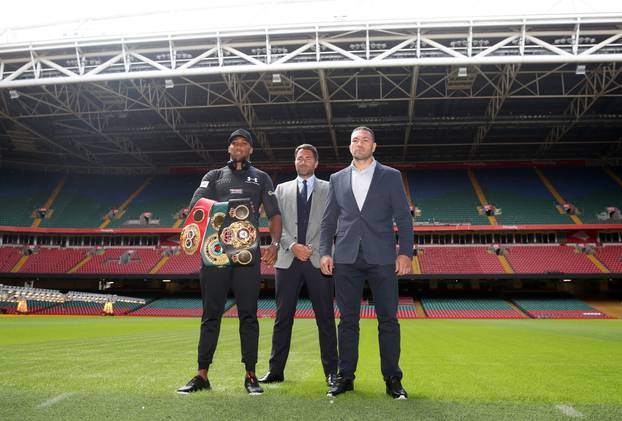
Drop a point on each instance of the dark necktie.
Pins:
(304, 191)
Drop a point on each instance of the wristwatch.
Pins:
(277, 244)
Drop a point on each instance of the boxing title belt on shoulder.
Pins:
(195, 225)
(222, 231)
(212, 251)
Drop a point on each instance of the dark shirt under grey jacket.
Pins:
(224, 184)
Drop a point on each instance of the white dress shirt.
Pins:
(310, 184)
(361, 180)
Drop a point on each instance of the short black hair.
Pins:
(307, 147)
(367, 129)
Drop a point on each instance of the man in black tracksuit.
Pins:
(238, 179)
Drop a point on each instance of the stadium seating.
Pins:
(304, 309)
(406, 308)
(521, 195)
(8, 307)
(9, 256)
(549, 259)
(53, 260)
(265, 308)
(75, 308)
(611, 257)
(21, 192)
(589, 189)
(468, 308)
(445, 196)
(458, 259)
(164, 196)
(39, 306)
(122, 309)
(86, 198)
(563, 307)
(181, 263)
(142, 260)
(174, 307)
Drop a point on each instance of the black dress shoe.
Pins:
(195, 384)
(330, 379)
(340, 385)
(270, 377)
(252, 385)
(395, 389)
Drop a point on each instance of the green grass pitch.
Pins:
(129, 367)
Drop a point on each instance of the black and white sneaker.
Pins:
(194, 385)
(252, 386)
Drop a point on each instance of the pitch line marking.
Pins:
(56, 399)
(569, 411)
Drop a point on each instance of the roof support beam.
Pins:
(328, 109)
(411, 109)
(75, 149)
(73, 101)
(159, 102)
(503, 88)
(593, 39)
(596, 84)
(234, 83)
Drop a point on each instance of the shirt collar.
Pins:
(370, 168)
(310, 181)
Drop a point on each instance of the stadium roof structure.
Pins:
(472, 89)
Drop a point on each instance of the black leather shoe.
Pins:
(195, 384)
(395, 389)
(330, 379)
(270, 377)
(340, 385)
(252, 385)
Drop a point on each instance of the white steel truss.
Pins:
(595, 85)
(76, 103)
(508, 76)
(248, 113)
(328, 109)
(160, 102)
(579, 39)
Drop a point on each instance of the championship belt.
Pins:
(222, 231)
(212, 251)
(238, 235)
(195, 226)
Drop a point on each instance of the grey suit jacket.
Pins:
(371, 227)
(286, 194)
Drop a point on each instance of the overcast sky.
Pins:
(143, 16)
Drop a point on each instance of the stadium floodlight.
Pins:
(13, 94)
(166, 280)
(168, 83)
(580, 69)
(462, 72)
(566, 280)
(276, 78)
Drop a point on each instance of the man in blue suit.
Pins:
(363, 201)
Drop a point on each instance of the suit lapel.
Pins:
(293, 195)
(316, 210)
(349, 188)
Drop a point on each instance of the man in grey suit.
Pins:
(301, 202)
(363, 201)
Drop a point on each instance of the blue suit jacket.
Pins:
(373, 225)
